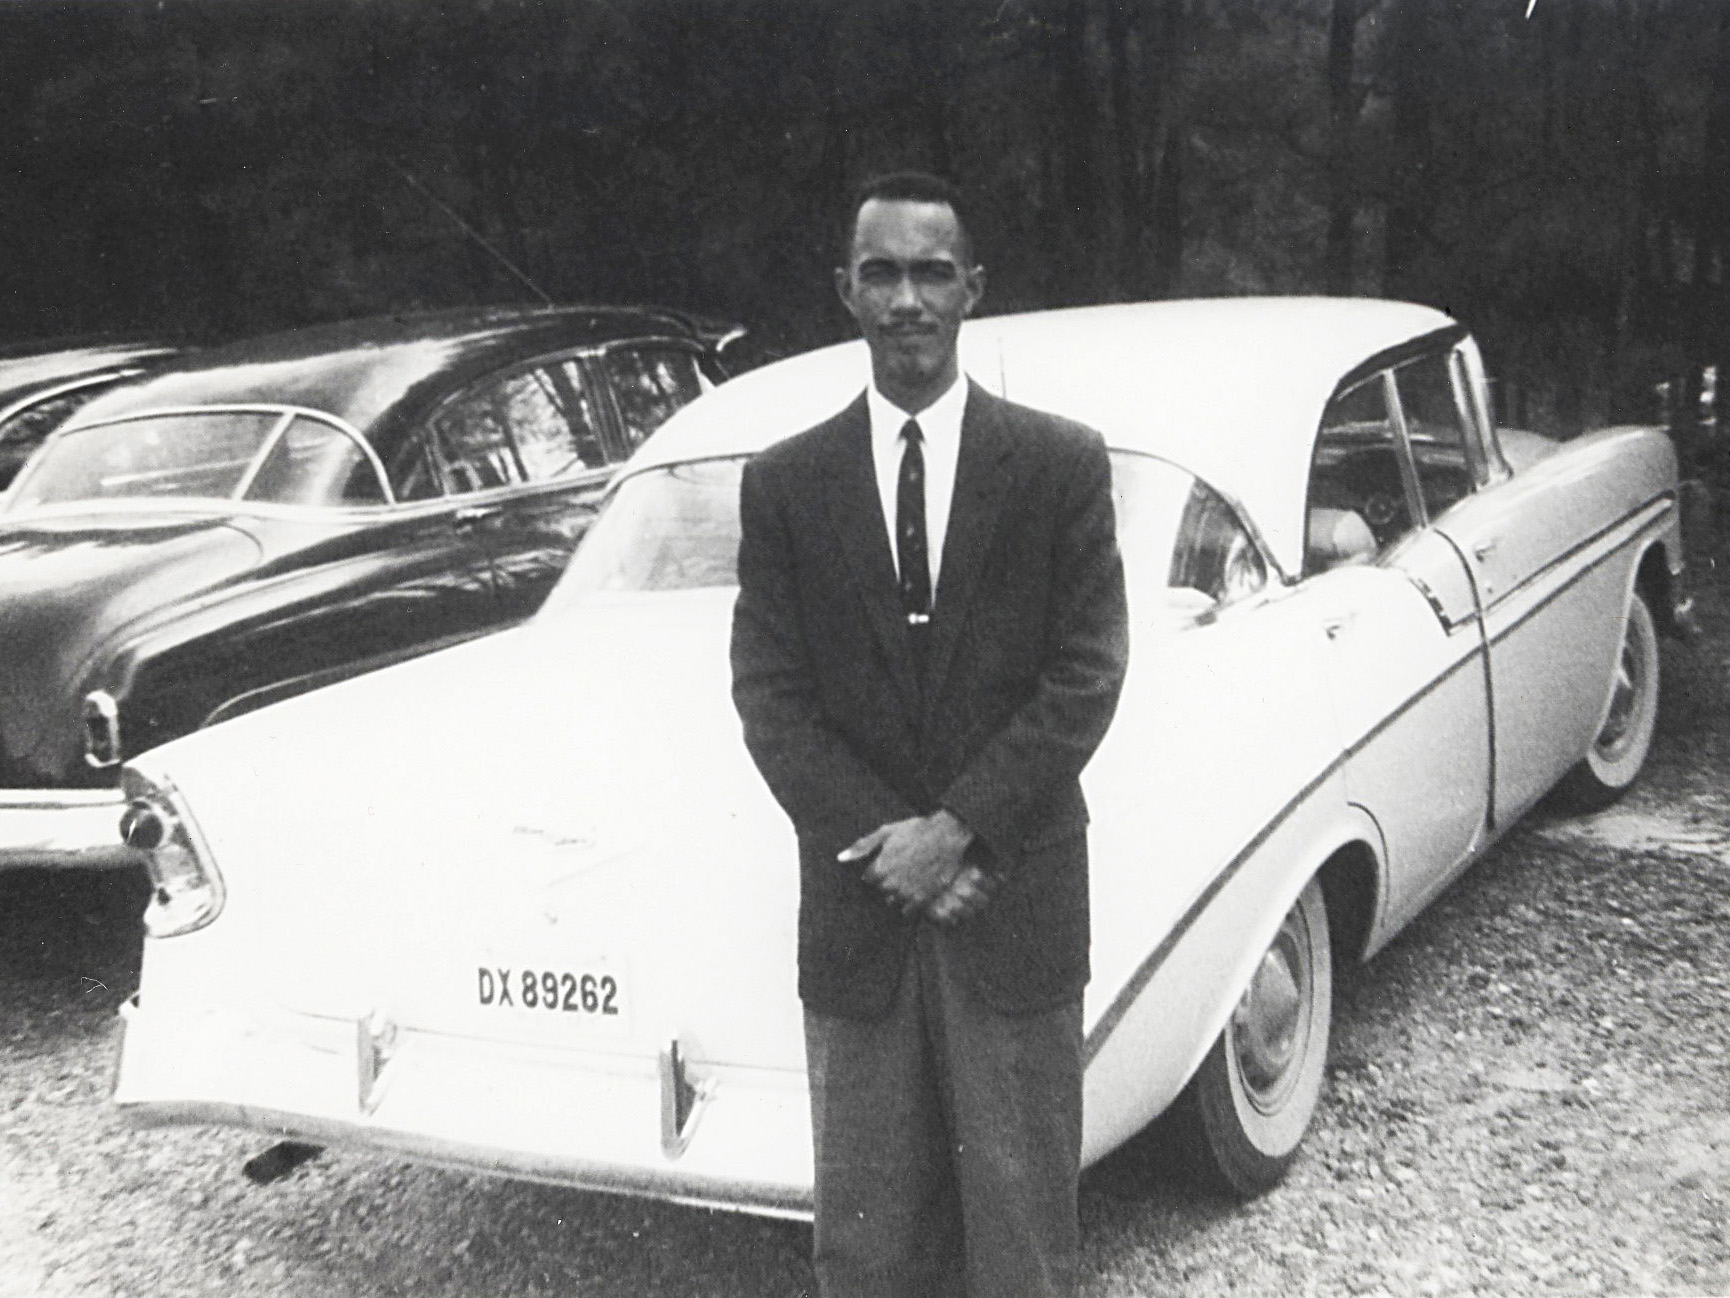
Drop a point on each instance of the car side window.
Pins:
(576, 395)
(525, 426)
(473, 446)
(649, 384)
(1180, 537)
(1359, 502)
(1438, 427)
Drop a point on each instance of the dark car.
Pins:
(292, 509)
(43, 383)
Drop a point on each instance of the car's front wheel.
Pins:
(1624, 737)
(1246, 1110)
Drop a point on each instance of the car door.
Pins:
(1544, 595)
(528, 451)
(1406, 657)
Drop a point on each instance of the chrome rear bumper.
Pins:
(593, 1121)
(61, 828)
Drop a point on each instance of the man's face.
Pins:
(908, 284)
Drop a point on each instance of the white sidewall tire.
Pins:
(1611, 765)
(1250, 1137)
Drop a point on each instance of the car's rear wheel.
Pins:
(1624, 737)
(1245, 1112)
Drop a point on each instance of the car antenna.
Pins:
(468, 230)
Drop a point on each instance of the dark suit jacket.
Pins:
(1024, 660)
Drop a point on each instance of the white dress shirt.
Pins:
(940, 426)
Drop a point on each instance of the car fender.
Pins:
(1145, 1043)
(168, 673)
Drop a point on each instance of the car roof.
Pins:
(46, 363)
(1230, 388)
(369, 371)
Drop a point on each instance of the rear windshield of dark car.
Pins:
(202, 455)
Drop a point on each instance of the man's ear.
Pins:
(844, 289)
(975, 279)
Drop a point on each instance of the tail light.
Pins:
(186, 890)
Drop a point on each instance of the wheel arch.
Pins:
(1656, 581)
(1351, 879)
(1148, 1045)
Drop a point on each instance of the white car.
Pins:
(525, 906)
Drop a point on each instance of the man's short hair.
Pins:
(908, 187)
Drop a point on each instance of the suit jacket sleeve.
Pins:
(810, 768)
(1004, 791)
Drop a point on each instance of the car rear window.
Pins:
(197, 456)
(201, 455)
(677, 528)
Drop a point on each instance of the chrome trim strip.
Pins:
(59, 799)
(1656, 506)
(1416, 505)
(1137, 982)
(1449, 624)
(63, 828)
(260, 456)
(1374, 732)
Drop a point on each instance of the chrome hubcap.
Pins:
(1268, 1025)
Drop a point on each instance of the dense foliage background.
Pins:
(1554, 172)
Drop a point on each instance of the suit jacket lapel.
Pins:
(984, 473)
(857, 511)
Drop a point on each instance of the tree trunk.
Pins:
(1342, 125)
(1125, 73)
(1167, 142)
(1411, 204)
(1081, 130)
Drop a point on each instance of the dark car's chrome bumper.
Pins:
(62, 828)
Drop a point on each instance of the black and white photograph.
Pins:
(864, 648)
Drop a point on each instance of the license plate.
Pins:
(575, 993)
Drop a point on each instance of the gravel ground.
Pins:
(1528, 1096)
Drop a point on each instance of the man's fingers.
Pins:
(966, 894)
(863, 847)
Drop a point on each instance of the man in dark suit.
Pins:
(928, 645)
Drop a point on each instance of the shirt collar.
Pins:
(938, 422)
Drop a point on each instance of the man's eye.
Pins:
(877, 275)
(936, 272)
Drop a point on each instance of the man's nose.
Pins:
(905, 295)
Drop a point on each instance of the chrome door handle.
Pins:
(1484, 549)
(1336, 626)
(474, 514)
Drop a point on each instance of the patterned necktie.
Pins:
(911, 557)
